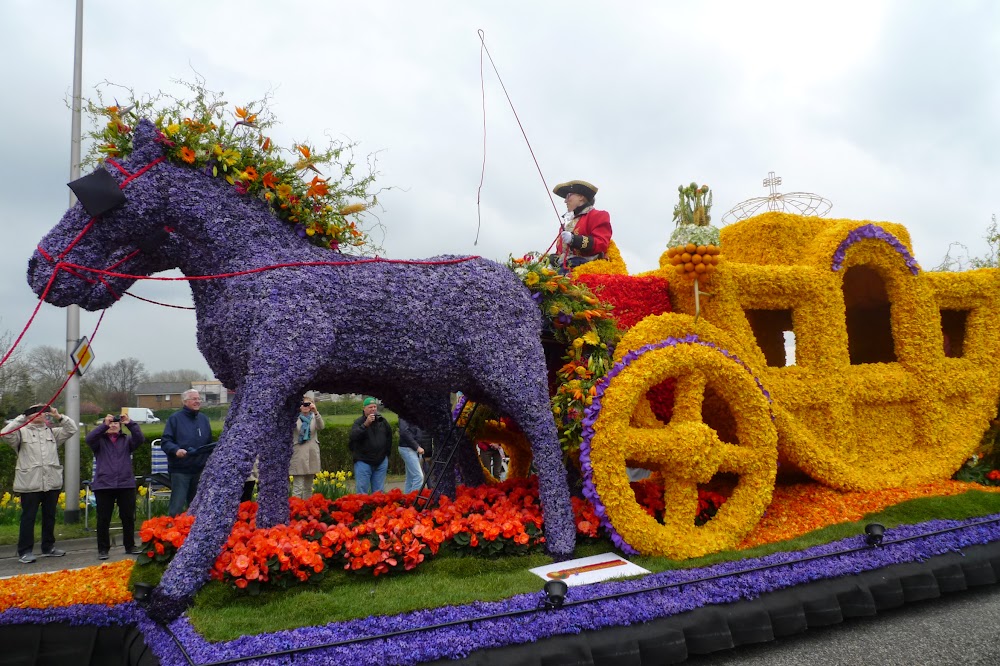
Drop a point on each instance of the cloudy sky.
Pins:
(889, 109)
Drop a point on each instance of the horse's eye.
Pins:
(99, 192)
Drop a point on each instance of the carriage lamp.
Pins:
(141, 592)
(874, 533)
(555, 594)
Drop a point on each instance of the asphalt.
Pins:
(80, 553)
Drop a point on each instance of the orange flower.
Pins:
(250, 174)
(187, 155)
(318, 188)
(269, 181)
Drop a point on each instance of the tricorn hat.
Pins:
(575, 186)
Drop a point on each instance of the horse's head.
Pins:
(106, 231)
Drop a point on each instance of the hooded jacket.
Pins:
(37, 468)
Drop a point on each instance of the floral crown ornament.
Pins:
(231, 143)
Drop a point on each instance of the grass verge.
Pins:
(8, 533)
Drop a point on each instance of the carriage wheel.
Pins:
(515, 446)
(685, 451)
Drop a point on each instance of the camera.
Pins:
(116, 419)
(306, 404)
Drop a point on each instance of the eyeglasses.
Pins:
(306, 404)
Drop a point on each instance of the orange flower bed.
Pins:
(106, 584)
(801, 508)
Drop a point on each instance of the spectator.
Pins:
(114, 480)
(187, 441)
(305, 464)
(491, 456)
(370, 443)
(250, 483)
(586, 231)
(38, 476)
(412, 441)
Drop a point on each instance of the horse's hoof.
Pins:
(164, 609)
(560, 554)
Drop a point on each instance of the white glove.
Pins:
(567, 237)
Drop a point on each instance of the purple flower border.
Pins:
(575, 617)
(95, 615)
(873, 232)
(590, 417)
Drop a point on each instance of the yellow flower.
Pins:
(531, 279)
(352, 208)
(171, 129)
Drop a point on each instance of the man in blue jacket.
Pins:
(187, 441)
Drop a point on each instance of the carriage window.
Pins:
(869, 317)
(953, 328)
(774, 334)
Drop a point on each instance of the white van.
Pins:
(141, 414)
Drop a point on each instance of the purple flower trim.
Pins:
(590, 417)
(97, 615)
(873, 232)
(689, 593)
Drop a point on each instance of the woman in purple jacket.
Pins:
(114, 480)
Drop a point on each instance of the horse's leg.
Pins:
(252, 424)
(523, 394)
(272, 468)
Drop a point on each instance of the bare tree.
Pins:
(47, 365)
(15, 380)
(184, 375)
(113, 385)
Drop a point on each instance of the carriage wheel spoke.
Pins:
(689, 394)
(680, 498)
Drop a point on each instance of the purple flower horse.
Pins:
(409, 332)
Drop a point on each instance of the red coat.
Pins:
(596, 226)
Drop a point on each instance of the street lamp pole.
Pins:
(71, 471)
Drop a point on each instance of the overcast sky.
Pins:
(889, 109)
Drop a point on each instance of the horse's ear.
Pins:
(144, 142)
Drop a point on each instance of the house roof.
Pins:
(162, 388)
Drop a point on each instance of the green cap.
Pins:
(367, 401)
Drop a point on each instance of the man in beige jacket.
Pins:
(36, 435)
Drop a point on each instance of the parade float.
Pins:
(755, 520)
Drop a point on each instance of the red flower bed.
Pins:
(634, 298)
(381, 533)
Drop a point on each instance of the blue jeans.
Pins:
(414, 472)
(370, 478)
(183, 486)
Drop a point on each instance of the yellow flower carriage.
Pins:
(892, 382)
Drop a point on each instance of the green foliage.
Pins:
(983, 465)
(205, 132)
(694, 207)
(332, 445)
